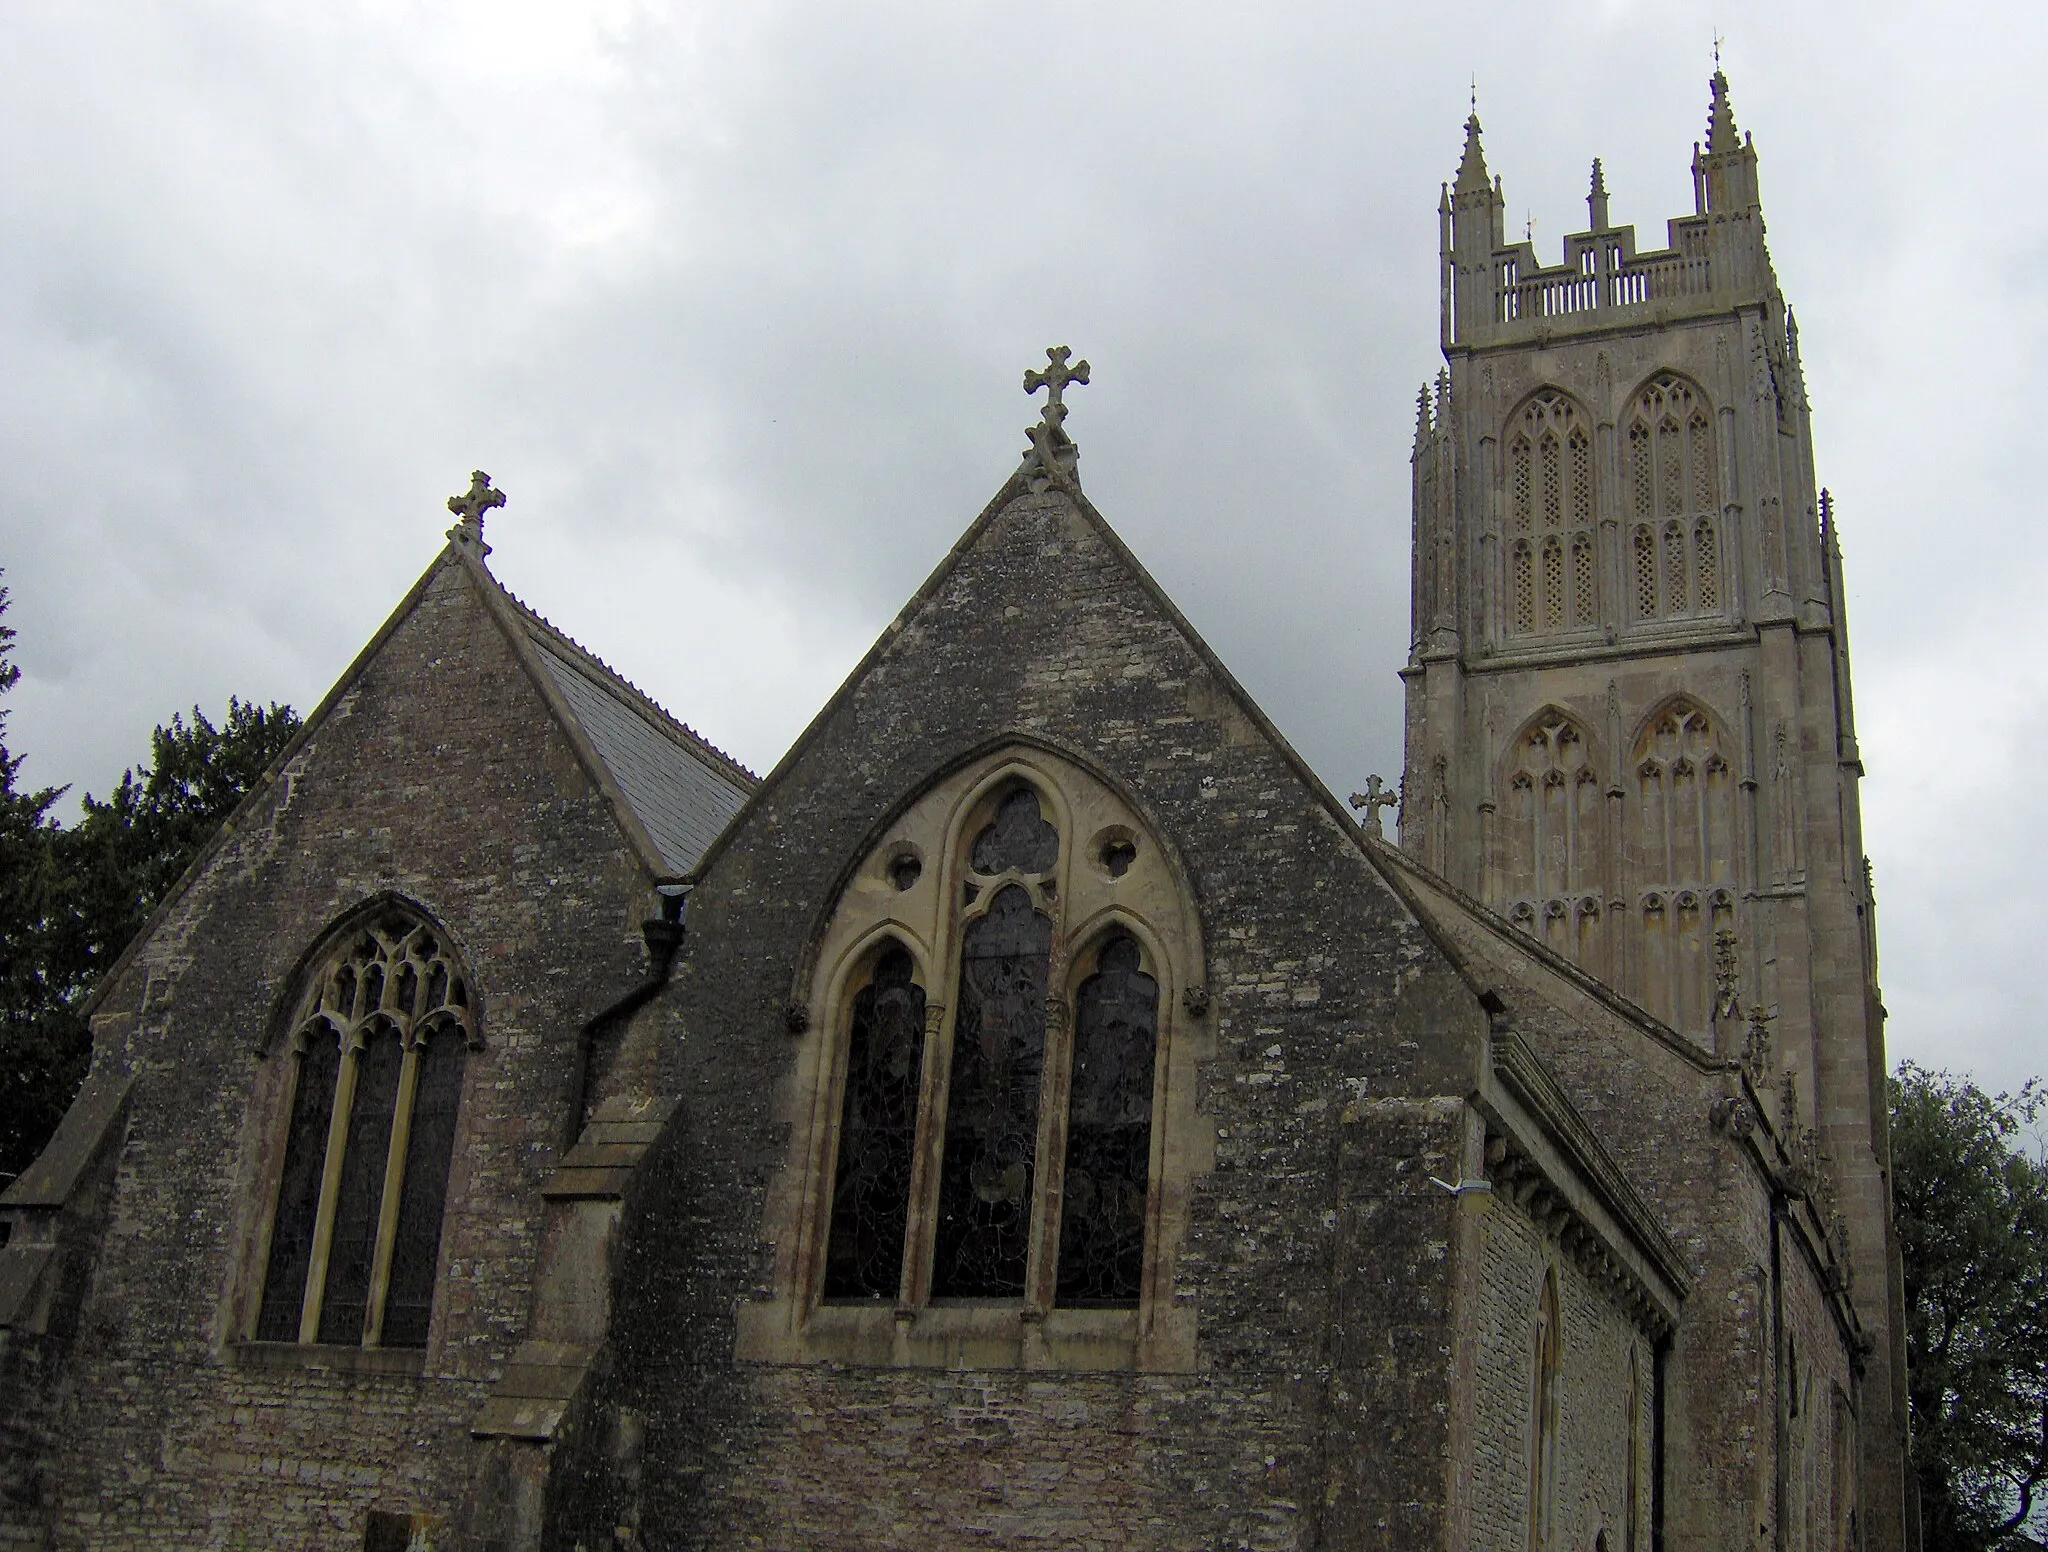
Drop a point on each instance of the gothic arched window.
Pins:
(1553, 573)
(877, 1131)
(1674, 503)
(1681, 852)
(990, 1161)
(1002, 1145)
(1632, 1471)
(1544, 1407)
(1109, 1129)
(1553, 837)
(378, 1041)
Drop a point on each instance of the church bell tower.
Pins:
(1629, 728)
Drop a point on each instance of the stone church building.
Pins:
(1038, 1113)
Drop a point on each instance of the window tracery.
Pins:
(1555, 838)
(354, 1234)
(1674, 502)
(1002, 1150)
(1553, 575)
(1682, 853)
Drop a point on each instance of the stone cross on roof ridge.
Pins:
(1054, 379)
(1051, 447)
(1374, 798)
(469, 509)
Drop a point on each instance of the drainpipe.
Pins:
(663, 935)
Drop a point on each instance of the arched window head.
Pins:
(378, 1045)
(1553, 578)
(1674, 500)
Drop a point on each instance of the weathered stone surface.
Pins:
(1442, 1230)
(1629, 726)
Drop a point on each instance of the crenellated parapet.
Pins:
(1498, 292)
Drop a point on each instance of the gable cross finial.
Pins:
(469, 509)
(1054, 379)
(1375, 797)
(1051, 447)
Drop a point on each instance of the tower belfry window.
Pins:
(1553, 579)
(1674, 503)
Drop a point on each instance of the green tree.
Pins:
(34, 1054)
(71, 899)
(1972, 1211)
(120, 860)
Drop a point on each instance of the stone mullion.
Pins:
(922, 1219)
(1041, 1274)
(1155, 1279)
(330, 1184)
(394, 1186)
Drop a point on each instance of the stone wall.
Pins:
(1318, 1265)
(1322, 1275)
(1596, 1426)
(436, 775)
(1653, 1100)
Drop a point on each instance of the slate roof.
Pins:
(1498, 953)
(680, 787)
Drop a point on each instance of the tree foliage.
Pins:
(30, 1064)
(123, 857)
(72, 898)
(1972, 1212)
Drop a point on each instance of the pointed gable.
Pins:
(1039, 555)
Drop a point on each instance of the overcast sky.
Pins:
(733, 302)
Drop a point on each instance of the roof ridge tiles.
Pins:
(668, 719)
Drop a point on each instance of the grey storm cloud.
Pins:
(734, 301)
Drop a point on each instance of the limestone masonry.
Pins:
(1037, 1114)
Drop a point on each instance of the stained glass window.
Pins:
(388, 1002)
(360, 1199)
(416, 1248)
(982, 1242)
(298, 1190)
(877, 1134)
(1109, 1130)
(1018, 837)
